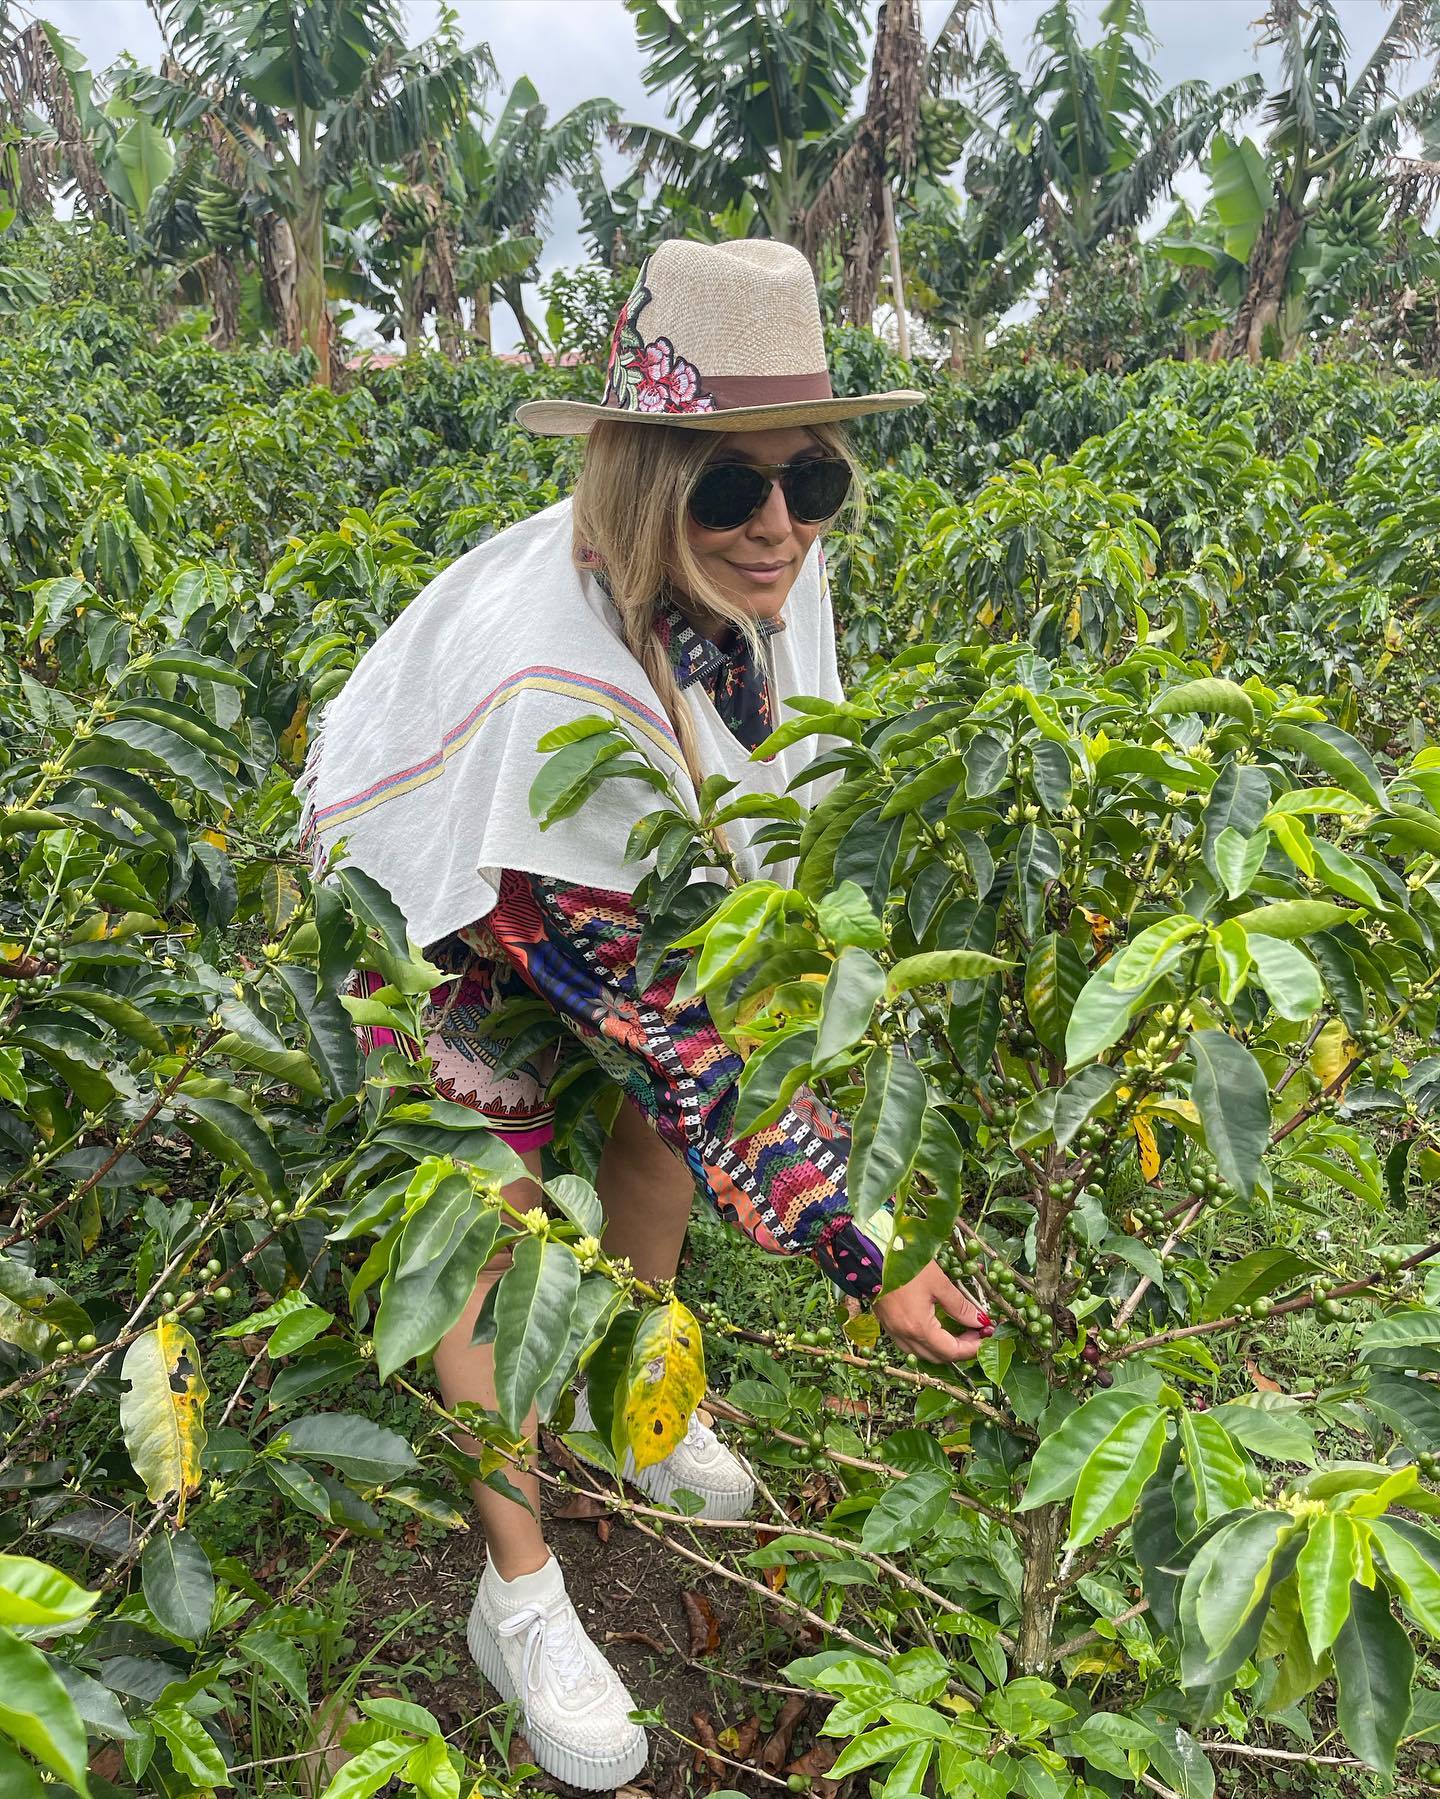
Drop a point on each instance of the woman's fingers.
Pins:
(908, 1315)
(958, 1303)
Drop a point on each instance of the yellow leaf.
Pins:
(1149, 1148)
(10, 952)
(1102, 929)
(89, 1220)
(1096, 1661)
(162, 1412)
(218, 836)
(279, 897)
(1334, 1051)
(665, 1382)
(296, 734)
(863, 1330)
(986, 614)
(1072, 620)
(1184, 1110)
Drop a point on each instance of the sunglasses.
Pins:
(729, 493)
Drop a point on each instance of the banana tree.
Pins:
(763, 88)
(112, 156)
(305, 97)
(404, 260)
(961, 271)
(1332, 164)
(1082, 150)
(502, 186)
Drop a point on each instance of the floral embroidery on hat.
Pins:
(649, 377)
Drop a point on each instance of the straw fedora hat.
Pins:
(717, 337)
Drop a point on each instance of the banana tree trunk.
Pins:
(897, 280)
(278, 274)
(449, 326)
(1266, 279)
(967, 341)
(222, 289)
(412, 313)
(310, 285)
(510, 287)
(480, 315)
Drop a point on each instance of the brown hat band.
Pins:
(767, 390)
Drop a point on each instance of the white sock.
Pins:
(508, 1596)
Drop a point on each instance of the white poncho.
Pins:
(423, 763)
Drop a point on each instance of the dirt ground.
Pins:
(631, 1595)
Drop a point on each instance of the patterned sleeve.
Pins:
(784, 1185)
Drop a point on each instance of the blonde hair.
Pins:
(630, 511)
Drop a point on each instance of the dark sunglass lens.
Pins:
(816, 490)
(726, 495)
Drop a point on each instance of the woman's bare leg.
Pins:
(464, 1370)
(645, 1191)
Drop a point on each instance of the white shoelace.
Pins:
(695, 1432)
(553, 1637)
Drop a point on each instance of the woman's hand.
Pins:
(908, 1317)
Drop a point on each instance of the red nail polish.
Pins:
(986, 1320)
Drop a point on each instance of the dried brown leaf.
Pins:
(814, 1765)
(739, 1740)
(1262, 1382)
(642, 1637)
(777, 1746)
(703, 1624)
(585, 1506)
(705, 1732)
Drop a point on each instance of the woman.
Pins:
(682, 589)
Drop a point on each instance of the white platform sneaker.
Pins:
(529, 1643)
(699, 1463)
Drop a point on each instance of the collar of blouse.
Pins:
(695, 657)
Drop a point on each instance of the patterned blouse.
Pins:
(575, 947)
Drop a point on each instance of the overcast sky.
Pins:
(575, 49)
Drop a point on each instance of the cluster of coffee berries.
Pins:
(1372, 1042)
(1036, 1322)
(1428, 1464)
(817, 1339)
(1113, 1335)
(1022, 1040)
(1205, 1183)
(1003, 1107)
(1336, 1311)
(1144, 1215)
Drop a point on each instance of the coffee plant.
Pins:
(1113, 943)
(1089, 956)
